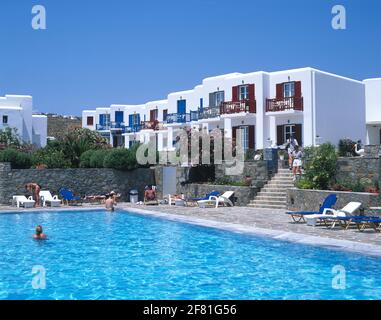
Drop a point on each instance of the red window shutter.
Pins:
(298, 100)
(298, 89)
(90, 121)
(252, 98)
(280, 135)
(252, 137)
(235, 93)
(279, 91)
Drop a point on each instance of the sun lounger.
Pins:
(47, 198)
(364, 222)
(331, 214)
(68, 196)
(328, 203)
(214, 201)
(22, 201)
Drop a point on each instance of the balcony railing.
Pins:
(194, 115)
(102, 127)
(178, 117)
(230, 107)
(291, 103)
(208, 113)
(132, 128)
(151, 125)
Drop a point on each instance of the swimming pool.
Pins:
(98, 255)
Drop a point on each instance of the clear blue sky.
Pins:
(95, 53)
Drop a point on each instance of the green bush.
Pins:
(18, 159)
(320, 167)
(121, 159)
(85, 159)
(52, 159)
(347, 148)
(97, 158)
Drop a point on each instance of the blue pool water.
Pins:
(98, 255)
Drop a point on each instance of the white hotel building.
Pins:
(313, 105)
(16, 112)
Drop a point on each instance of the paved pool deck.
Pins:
(263, 222)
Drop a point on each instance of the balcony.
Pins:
(132, 129)
(243, 106)
(150, 125)
(118, 127)
(284, 104)
(208, 113)
(178, 118)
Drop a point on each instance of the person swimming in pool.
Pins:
(39, 235)
(110, 203)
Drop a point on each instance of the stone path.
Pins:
(265, 218)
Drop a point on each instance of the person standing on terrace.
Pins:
(291, 144)
(35, 189)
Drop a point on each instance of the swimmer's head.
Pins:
(39, 230)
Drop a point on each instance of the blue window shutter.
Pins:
(181, 106)
(139, 119)
(119, 116)
(102, 119)
(201, 104)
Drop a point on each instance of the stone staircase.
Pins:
(274, 194)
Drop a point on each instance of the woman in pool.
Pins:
(39, 235)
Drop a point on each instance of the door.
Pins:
(119, 117)
(153, 115)
(181, 106)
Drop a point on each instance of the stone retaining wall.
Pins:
(310, 200)
(353, 170)
(243, 194)
(81, 181)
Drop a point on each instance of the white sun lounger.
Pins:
(47, 198)
(348, 210)
(22, 201)
(214, 201)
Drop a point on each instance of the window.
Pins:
(135, 119)
(165, 114)
(244, 93)
(90, 121)
(289, 130)
(5, 119)
(289, 89)
(216, 98)
(104, 119)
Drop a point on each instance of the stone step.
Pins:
(268, 206)
(272, 194)
(275, 189)
(282, 178)
(279, 184)
(271, 198)
(289, 181)
(277, 202)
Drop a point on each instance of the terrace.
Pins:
(178, 118)
(284, 104)
(243, 106)
(208, 113)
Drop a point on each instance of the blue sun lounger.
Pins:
(212, 194)
(68, 196)
(362, 222)
(328, 203)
